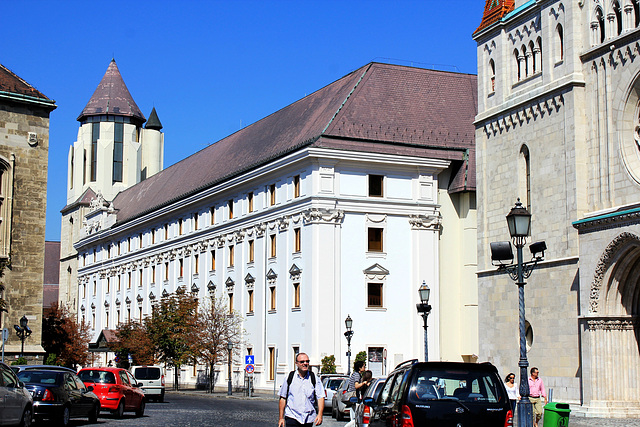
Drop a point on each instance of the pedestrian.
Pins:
(512, 390)
(355, 384)
(536, 394)
(298, 394)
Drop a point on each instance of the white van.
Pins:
(151, 379)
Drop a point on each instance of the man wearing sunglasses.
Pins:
(298, 396)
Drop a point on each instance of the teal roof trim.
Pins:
(517, 10)
(606, 216)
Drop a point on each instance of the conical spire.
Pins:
(154, 121)
(112, 97)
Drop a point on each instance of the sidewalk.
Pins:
(222, 393)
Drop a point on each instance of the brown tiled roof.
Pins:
(84, 200)
(378, 108)
(112, 97)
(20, 90)
(51, 263)
(494, 10)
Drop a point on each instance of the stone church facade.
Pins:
(558, 127)
(336, 205)
(24, 148)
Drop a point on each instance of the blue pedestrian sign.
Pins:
(248, 360)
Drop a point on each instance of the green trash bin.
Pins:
(556, 414)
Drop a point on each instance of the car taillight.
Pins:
(406, 420)
(366, 414)
(508, 421)
(162, 379)
(47, 396)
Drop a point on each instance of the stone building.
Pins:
(24, 148)
(112, 152)
(339, 204)
(558, 127)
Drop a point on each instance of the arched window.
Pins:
(524, 178)
(525, 61)
(636, 13)
(6, 195)
(492, 74)
(518, 67)
(534, 59)
(600, 19)
(538, 51)
(560, 41)
(618, 12)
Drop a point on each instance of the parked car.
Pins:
(16, 405)
(151, 380)
(442, 394)
(118, 391)
(330, 384)
(338, 408)
(20, 368)
(59, 395)
(364, 412)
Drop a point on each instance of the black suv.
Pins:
(442, 394)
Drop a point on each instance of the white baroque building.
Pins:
(558, 127)
(341, 203)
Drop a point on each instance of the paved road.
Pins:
(199, 409)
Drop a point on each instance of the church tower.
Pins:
(113, 152)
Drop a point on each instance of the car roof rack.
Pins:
(410, 362)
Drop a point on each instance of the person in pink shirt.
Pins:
(536, 394)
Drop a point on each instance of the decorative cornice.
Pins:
(613, 324)
(425, 222)
(323, 216)
(608, 221)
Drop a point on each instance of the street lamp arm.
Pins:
(512, 269)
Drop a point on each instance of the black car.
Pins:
(442, 394)
(59, 395)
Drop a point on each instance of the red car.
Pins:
(117, 389)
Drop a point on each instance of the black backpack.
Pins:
(313, 382)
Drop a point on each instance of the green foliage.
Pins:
(134, 340)
(20, 361)
(51, 359)
(328, 365)
(361, 356)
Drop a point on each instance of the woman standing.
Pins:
(512, 390)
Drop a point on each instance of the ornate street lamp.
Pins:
(519, 222)
(348, 323)
(424, 309)
(230, 348)
(22, 331)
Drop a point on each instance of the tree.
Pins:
(133, 339)
(217, 328)
(173, 330)
(328, 365)
(63, 336)
(361, 356)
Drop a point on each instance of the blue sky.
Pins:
(212, 67)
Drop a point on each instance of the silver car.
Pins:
(338, 408)
(331, 384)
(16, 404)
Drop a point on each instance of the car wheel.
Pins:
(27, 417)
(93, 415)
(333, 412)
(161, 398)
(140, 410)
(339, 415)
(119, 410)
(65, 416)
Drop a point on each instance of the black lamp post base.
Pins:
(525, 413)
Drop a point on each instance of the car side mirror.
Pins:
(369, 401)
(90, 388)
(353, 399)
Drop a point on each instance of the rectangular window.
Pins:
(196, 259)
(140, 241)
(166, 231)
(249, 351)
(376, 185)
(140, 277)
(181, 268)
(128, 314)
(153, 236)
(250, 299)
(119, 248)
(84, 259)
(93, 320)
(84, 290)
(272, 238)
(374, 239)
(108, 284)
(272, 194)
(250, 201)
(231, 257)
(212, 213)
(128, 244)
(166, 271)
(129, 280)
(195, 221)
(213, 260)
(296, 186)
(119, 282)
(95, 287)
(296, 295)
(95, 255)
(374, 294)
(230, 206)
(272, 292)
(95, 135)
(153, 274)
(107, 320)
(180, 227)
(84, 167)
(251, 250)
(296, 238)
(231, 304)
(118, 317)
(140, 313)
(272, 363)
(117, 151)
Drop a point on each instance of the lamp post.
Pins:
(229, 388)
(348, 323)
(519, 223)
(424, 309)
(22, 331)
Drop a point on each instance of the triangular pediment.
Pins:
(376, 270)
